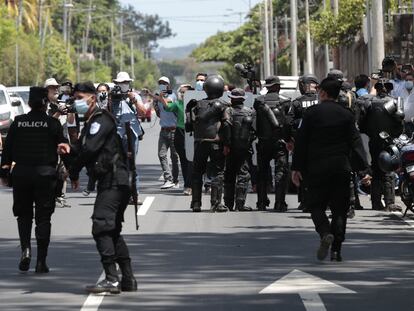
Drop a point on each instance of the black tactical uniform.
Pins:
(209, 120)
(380, 113)
(323, 145)
(32, 144)
(100, 149)
(297, 109)
(236, 174)
(273, 131)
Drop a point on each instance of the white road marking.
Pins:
(93, 301)
(308, 287)
(408, 221)
(143, 209)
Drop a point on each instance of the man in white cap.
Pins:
(168, 123)
(125, 108)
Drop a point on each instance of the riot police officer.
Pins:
(376, 114)
(209, 120)
(100, 147)
(273, 131)
(308, 88)
(236, 174)
(33, 143)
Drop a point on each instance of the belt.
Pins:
(168, 129)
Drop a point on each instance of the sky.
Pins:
(193, 21)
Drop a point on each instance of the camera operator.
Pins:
(58, 111)
(125, 104)
(66, 98)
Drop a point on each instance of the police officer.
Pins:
(236, 174)
(33, 143)
(308, 85)
(273, 131)
(346, 97)
(100, 144)
(209, 120)
(323, 145)
(376, 114)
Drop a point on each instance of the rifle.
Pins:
(132, 170)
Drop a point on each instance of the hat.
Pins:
(336, 74)
(237, 93)
(51, 82)
(123, 77)
(85, 87)
(36, 96)
(271, 80)
(164, 79)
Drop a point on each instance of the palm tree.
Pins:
(25, 11)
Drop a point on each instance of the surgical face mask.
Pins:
(124, 87)
(199, 85)
(163, 87)
(81, 105)
(409, 85)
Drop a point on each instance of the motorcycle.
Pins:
(398, 157)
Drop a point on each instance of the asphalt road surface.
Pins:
(252, 261)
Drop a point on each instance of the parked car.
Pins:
(18, 110)
(23, 92)
(7, 111)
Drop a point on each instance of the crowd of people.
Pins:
(98, 128)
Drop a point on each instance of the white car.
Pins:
(7, 111)
(23, 92)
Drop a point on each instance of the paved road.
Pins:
(187, 262)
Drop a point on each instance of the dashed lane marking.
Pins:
(142, 211)
(93, 301)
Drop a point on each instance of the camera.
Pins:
(116, 93)
(66, 106)
(246, 71)
(388, 66)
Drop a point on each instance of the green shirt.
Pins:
(178, 108)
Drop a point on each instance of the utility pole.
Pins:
(65, 21)
(266, 41)
(293, 37)
(131, 46)
(326, 46)
(112, 39)
(18, 24)
(69, 30)
(272, 39)
(40, 20)
(378, 52)
(121, 60)
(88, 24)
(369, 34)
(309, 52)
(335, 50)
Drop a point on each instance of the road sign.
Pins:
(308, 287)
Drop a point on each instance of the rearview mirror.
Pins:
(16, 103)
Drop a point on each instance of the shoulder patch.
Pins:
(95, 126)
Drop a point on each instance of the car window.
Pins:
(3, 100)
(24, 95)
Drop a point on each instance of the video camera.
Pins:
(247, 72)
(116, 94)
(388, 66)
(67, 106)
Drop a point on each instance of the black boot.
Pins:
(326, 243)
(280, 207)
(216, 194)
(128, 283)
(243, 208)
(196, 197)
(24, 264)
(336, 256)
(41, 266)
(229, 196)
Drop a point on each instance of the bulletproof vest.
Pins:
(304, 102)
(241, 130)
(206, 119)
(109, 166)
(265, 128)
(377, 119)
(35, 139)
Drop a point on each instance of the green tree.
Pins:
(57, 63)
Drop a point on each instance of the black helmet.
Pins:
(214, 86)
(306, 80)
(389, 159)
(336, 74)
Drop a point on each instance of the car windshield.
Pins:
(3, 98)
(24, 95)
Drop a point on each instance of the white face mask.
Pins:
(199, 85)
(124, 87)
(163, 87)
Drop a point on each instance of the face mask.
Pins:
(409, 85)
(102, 96)
(81, 106)
(124, 87)
(199, 85)
(163, 87)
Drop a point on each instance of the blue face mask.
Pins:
(199, 85)
(81, 106)
(409, 85)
